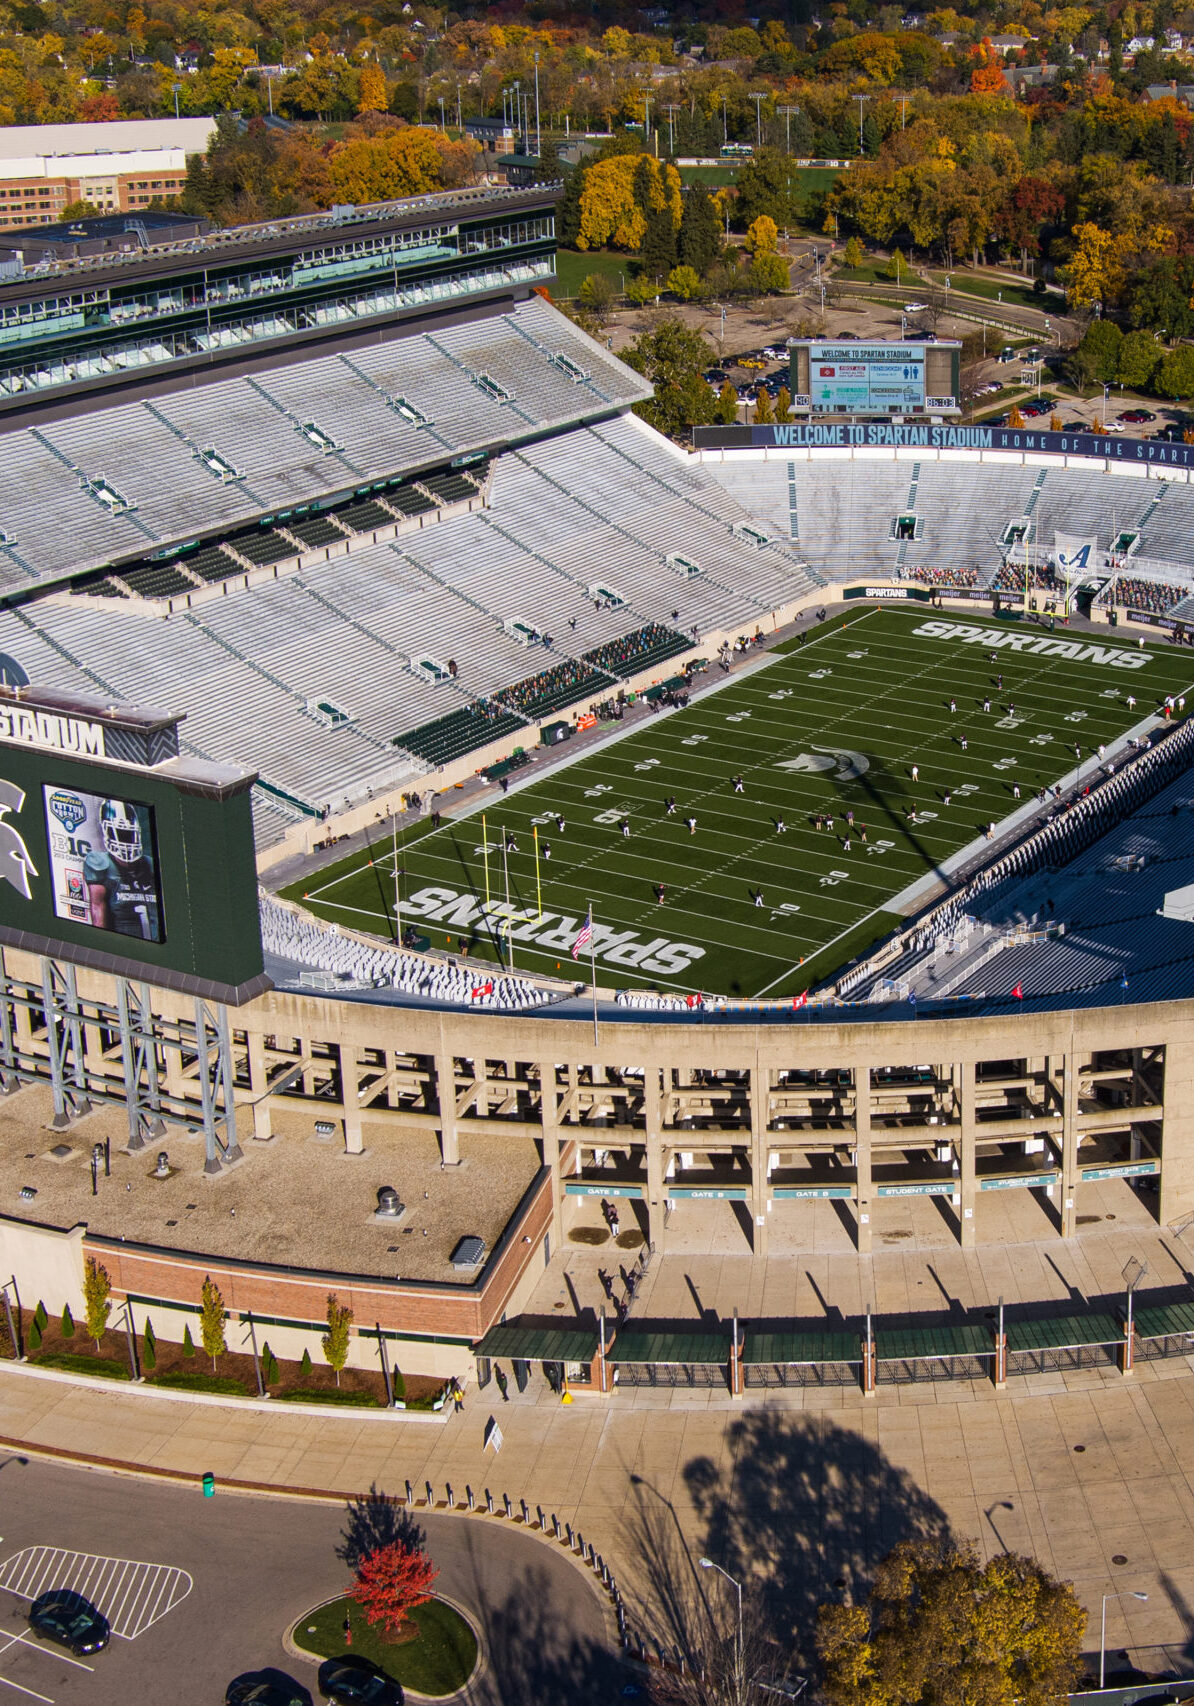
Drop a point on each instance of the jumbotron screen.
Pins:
(866, 379)
(120, 853)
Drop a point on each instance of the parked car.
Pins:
(1136, 416)
(355, 1681)
(775, 353)
(273, 1690)
(69, 1620)
(915, 307)
(1075, 426)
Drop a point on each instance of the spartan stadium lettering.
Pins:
(1042, 644)
(47, 729)
(556, 932)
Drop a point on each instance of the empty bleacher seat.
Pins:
(459, 732)
(364, 517)
(263, 547)
(316, 531)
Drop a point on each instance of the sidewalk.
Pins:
(1082, 1471)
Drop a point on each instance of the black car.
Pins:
(69, 1620)
(265, 1691)
(352, 1681)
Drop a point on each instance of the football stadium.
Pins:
(444, 822)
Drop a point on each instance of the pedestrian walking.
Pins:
(1015, 790)
(846, 845)
(862, 832)
(739, 785)
(850, 817)
(916, 772)
(986, 705)
(626, 826)
(547, 849)
(692, 826)
(946, 797)
(499, 1374)
(781, 827)
(758, 897)
(660, 891)
(457, 1397)
(559, 823)
(670, 805)
(953, 705)
(962, 743)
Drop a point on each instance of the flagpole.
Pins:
(593, 970)
(538, 885)
(509, 937)
(397, 889)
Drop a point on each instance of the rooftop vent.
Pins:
(389, 1205)
(468, 1254)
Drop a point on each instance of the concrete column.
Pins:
(350, 1083)
(445, 1084)
(862, 1156)
(263, 1129)
(967, 1152)
(653, 1109)
(1068, 1205)
(761, 1221)
(549, 1105)
(1177, 1133)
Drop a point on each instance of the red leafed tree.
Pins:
(390, 1582)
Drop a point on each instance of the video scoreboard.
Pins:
(852, 378)
(119, 852)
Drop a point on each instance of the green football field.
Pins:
(818, 730)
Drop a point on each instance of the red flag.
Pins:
(1018, 993)
(800, 1000)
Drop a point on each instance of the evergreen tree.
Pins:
(68, 1322)
(642, 185)
(700, 230)
(659, 244)
(568, 217)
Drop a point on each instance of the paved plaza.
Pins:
(1090, 1472)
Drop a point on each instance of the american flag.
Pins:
(585, 937)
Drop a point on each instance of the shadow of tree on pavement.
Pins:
(534, 1648)
(801, 1512)
(375, 1520)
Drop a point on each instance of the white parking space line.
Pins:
(51, 1651)
(132, 1595)
(6, 1682)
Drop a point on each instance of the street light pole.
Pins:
(708, 1564)
(1103, 1629)
(538, 137)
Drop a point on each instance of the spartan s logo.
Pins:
(16, 867)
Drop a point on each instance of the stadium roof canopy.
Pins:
(137, 479)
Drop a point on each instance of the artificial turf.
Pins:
(833, 726)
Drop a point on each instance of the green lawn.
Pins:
(996, 290)
(439, 1661)
(830, 727)
(713, 177)
(572, 268)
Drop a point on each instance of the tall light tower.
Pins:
(758, 101)
(671, 109)
(860, 99)
(787, 112)
(538, 138)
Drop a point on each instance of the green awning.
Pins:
(528, 1343)
(907, 1344)
(801, 1348)
(1160, 1320)
(1063, 1332)
(705, 1348)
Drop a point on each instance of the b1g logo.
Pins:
(68, 809)
(16, 867)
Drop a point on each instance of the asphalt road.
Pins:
(254, 1566)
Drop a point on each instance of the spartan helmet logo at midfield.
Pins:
(16, 867)
(122, 831)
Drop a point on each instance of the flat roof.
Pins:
(116, 136)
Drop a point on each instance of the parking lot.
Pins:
(132, 1594)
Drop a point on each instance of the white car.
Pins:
(915, 307)
(774, 353)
